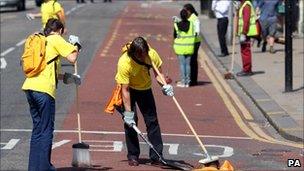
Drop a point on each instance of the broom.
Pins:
(81, 155)
(210, 159)
(229, 75)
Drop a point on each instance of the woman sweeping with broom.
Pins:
(134, 78)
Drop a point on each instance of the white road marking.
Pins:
(10, 145)
(7, 51)
(173, 148)
(21, 42)
(228, 151)
(122, 133)
(3, 63)
(60, 143)
(115, 146)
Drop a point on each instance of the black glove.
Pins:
(69, 78)
(78, 46)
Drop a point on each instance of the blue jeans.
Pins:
(42, 108)
(185, 70)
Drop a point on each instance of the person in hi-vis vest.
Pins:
(246, 29)
(183, 46)
(193, 17)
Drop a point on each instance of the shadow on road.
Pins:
(258, 72)
(202, 83)
(94, 167)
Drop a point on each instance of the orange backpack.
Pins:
(33, 58)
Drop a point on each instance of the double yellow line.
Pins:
(229, 97)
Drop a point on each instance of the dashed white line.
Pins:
(21, 42)
(10, 145)
(60, 143)
(7, 51)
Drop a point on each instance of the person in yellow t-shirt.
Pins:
(49, 9)
(40, 91)
(133, 74)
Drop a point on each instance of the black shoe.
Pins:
(271, 50)
(133, 162)
(244, 74)
(264, 46)
(223, 55)
(259, 42)
(192, 83)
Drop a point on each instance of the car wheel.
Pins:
(21, 6)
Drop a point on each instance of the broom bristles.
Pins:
(81, 155)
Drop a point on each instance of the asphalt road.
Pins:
(103, 28)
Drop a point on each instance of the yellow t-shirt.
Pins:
(135, 75)
(49, 10)
(45, 81)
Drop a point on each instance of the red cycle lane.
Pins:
(202, 104)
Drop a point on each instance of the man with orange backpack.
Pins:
(40, 87)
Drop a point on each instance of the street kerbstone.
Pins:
(284, 119)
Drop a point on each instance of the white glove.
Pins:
(168, 90)
(75, 41)
(129, 118)
(236, 4)
(242, 38)
(30, 16)
(176, 19)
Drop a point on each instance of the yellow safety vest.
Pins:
(252, 28)
(192, 18)
(184, 41)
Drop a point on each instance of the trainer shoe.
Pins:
(133, 162)
(244, 74)
(180, 84)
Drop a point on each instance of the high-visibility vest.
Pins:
(184, 41)
(192, 18)
(252, 27)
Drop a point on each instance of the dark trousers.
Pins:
(80, 1)
(194, 64)
(246, 55)
(222, 24)
(42, 108)
(146, 104)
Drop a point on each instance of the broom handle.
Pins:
(77, 105)
(233, 42)
(182, 112)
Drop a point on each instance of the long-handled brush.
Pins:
(171, 164)
(229, 75)
(81, 154)
(209, 159)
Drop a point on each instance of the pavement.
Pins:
(266, 88)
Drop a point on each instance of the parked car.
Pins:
(20, 4)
